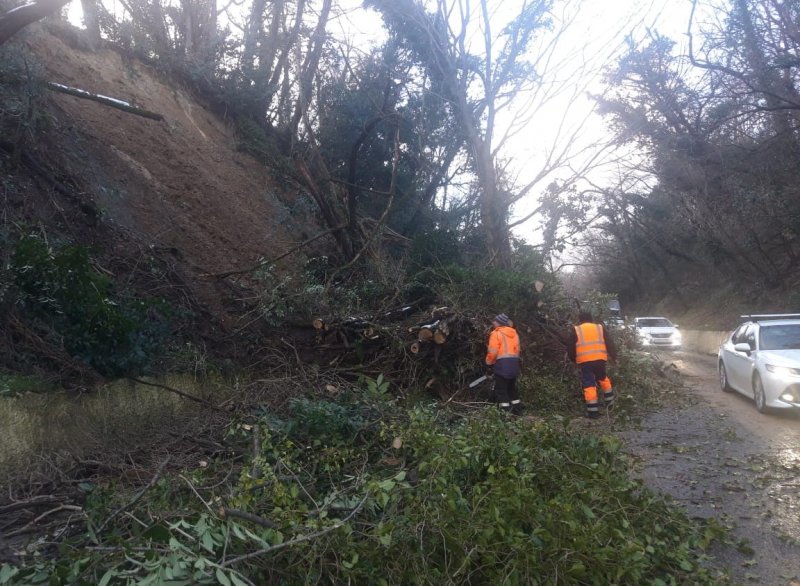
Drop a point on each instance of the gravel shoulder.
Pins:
(716, 456)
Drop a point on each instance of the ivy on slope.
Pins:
(365, 490)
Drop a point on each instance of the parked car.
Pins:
(657, 332)
(761, 359)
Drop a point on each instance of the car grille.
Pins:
(660, 335)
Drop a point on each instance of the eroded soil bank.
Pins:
(718, 457)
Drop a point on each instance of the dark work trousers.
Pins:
(593, 374)
(505, 392)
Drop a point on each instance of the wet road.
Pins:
(780, 430)
(720, 458)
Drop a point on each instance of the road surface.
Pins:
(718, 457)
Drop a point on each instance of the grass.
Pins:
(40, 429)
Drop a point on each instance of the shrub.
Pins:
(60, 289)
(417, 496)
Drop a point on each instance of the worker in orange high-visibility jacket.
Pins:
(503, 359)
(590, 347)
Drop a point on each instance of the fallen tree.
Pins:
(18, 18)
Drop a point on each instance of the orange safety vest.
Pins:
(591, 343)
(503, 343)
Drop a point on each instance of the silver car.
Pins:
(656, 332)
(761, 359)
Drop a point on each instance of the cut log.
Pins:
(425, 333)
(318, 324)
(439, 337)
(440, 312)
(398, 314)
(105, 100)
(538, 285)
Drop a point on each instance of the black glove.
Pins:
(489, 370)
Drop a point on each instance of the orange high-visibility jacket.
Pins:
(591, 343)
(503, 351)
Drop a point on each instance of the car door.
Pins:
(740, 364)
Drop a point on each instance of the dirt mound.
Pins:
(179, 184)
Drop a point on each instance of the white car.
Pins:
(657, 332)
(761, 359)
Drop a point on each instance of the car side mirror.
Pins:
(676, 326)
(742, 347)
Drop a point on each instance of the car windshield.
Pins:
(654, 322)
(785, 337)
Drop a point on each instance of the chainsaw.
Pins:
(478, 381)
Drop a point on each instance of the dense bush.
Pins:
(60, 289)
(390, 495)
(490, 290)
(314, 291)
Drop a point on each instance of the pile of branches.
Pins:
(439, 349)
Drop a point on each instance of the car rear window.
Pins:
(654, 322)
(785, 337)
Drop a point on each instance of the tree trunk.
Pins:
(309, 69)
(251, 37)
(18, 18)
(91, 22)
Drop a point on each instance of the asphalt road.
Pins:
(717, 457)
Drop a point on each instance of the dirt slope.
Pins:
(179, 184)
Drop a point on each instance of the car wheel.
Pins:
(758, 394)
(723, 378)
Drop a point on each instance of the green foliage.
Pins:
(435, 248)
(543, 390)
(289, 296)
(16, 384)
(62, 290)
(597, 303)
(253, 139)
(319, 418)
(641, 377)
(481, 289)
(417, 496)
(484, 290)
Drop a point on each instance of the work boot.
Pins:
(516, 409)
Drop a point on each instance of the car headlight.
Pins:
(676, 336)
(783, 370)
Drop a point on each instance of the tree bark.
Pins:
(118, 104)
(18, 18)
(310, 69)
(91, 22)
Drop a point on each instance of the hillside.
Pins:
(177, 190)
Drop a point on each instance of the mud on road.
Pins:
(717, 457)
